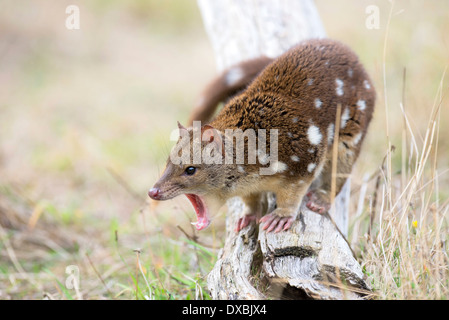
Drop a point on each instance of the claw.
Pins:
(317, 202)
(244, 222)
(277, 223)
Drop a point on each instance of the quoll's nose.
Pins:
(154, 193)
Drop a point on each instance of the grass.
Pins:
(85, 118)
(405, 252)
(109, 268)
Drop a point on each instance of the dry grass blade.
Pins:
(335, 153)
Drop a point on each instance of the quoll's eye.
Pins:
(190, 171)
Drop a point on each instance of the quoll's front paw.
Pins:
(319, 201)
(278, 220)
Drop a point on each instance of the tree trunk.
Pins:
(312, 260)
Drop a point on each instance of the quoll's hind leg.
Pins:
(253, 210)
(319, 196)
(318, 200)
(288, 199)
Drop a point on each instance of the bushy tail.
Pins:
(230, 82)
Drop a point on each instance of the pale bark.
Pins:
(312, 259)
(240, 30)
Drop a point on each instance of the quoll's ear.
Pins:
(181, 127)
(210, 135)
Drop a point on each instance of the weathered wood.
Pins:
(231, 277)
(240, 30)
(319, 264)
(312, 260)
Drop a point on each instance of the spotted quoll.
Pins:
(298, 95)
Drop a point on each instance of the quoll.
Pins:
(297, 94)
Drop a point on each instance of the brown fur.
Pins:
(284, 97)
(223, 87)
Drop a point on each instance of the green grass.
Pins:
(165, 271)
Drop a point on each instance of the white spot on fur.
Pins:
(366, 85)
(318, 103)
(295, 120)
(350, 72)
(279, 166)
(311, 167)
(361, 104)
(311, 150)
(294, 158)
(290, 135)
(240, 169)
(263, 157)
(314, 135)
(339, 88)
(357, 139)
(233, 76)
(344, 118)
(330, 134)
(310, 82)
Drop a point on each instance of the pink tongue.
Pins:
(201, 212)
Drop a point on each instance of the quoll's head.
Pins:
(193, 168)
(193, 165)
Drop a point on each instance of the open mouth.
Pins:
(201, 211)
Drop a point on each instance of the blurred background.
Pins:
(85, 118)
